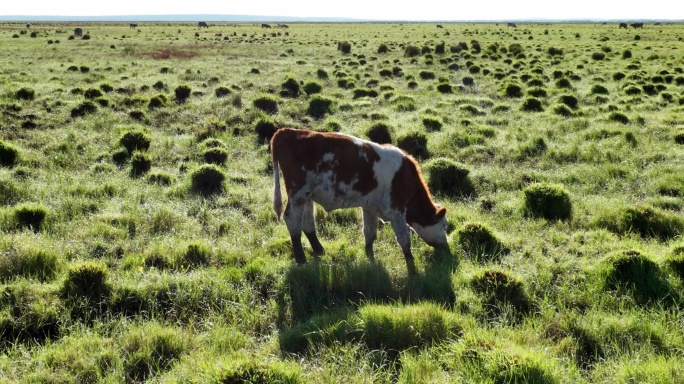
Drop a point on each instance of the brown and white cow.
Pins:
(341, 171)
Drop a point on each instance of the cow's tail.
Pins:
(277, 196)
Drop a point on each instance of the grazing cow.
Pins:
(637, 25)
(341, 171)
(202, 24)
(265, 25)
(283, 26)
(78, 31)
(512, 25)
(133, 25)
(439, 26)
(623, 25)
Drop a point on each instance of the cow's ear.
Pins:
(441, 212)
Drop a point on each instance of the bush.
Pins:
(513, 90)
(549, 201)
(25, 94)
(290, 88)
(207, 179)
(479, 242)
(135, 140)
(380, 133)
(222, 92)
(30, 216)
(630, 272)
(9, 154)
(319, 106)
(182, 93)
(532, 104)
(216, 156)
(85, 108)
(312, 87)
(266, 103)
(414, 143)
(140, 163)
(448, 177)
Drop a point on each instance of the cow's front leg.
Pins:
(401, 230)
(293, 219)
(309, 226)
(370, 231)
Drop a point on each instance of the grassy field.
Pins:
(138, 241)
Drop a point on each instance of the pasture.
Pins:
(138, 241)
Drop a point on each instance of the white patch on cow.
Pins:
(328, 157)
(432, 234)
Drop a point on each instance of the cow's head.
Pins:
(434, 233)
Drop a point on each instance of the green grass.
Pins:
(138, 240)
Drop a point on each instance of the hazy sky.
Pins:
(360, 9)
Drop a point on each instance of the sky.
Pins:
(361, 9)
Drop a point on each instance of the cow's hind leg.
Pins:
(401, 230)
(370, 231)
(309, 226)
(293, 219)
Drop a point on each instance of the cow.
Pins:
(512, 25)
(341, 171)
(133, 25)
(623, 25)
(78, 31)
(283, 26)
(637, 25)
(202, 24)
(265, 25)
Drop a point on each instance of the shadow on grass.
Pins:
(321, 297)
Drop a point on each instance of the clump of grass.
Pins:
(675, 261)
(562, 110)
(363, 92)
(569, 100)
(500, 290)
(253, 370)
(290, 88)
(344, 47)
(598, 56)
(535, 147)
(427, 75)
(619, 117)
(158, 101)
(149, 350)
(412, 51)
(322, 74)
(319, 106)
(25, 94)
(265, 129)
(648, 221)
(432, 123)
(9, 154)
(160, 178)
(312, 87)
(85, 108)
(414, 143)
(30, 216)
(448, 177)
(182, 93)
(28, 262)
(479, 242)
(513, 90)
(85, 290)
(380, 133)
(403, 327)
(141, 163)
(266, 103)
(383, 48)
(135, 140)
(634, 274)
(195, 254)
(207, 179)
(678, 139)
(222, 91)
(532, 104)
(92, 93)
(215, 155)
(598, 89)
(549, 201)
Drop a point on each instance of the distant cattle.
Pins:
(340, 171)
(439, 26)
(78, 31)
(623, 25)
(637, 25)
(265, 26)
(512, 25)
(283, 26)
(202, 24)
(133, 25)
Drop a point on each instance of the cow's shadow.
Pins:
(325, 291)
